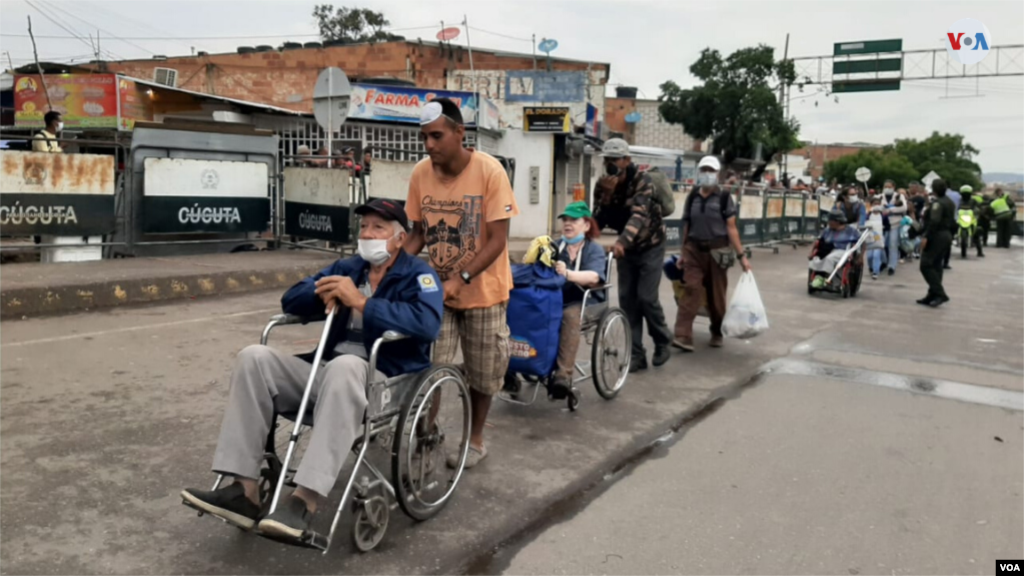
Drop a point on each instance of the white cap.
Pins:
(615, 148)
(710, 162)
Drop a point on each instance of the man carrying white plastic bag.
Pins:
(745, 317)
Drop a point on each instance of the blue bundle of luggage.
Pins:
(534, 319)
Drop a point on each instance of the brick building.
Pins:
(818, 154)
(651, 130)
(285, 77)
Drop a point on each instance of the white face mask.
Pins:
(707, 178)
(887, 191)
(60, 126)
(374, 251)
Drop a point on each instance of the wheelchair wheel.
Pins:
(609, 357)
(434, 421)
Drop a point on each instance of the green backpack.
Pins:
(662, 192)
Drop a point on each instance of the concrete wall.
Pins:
(530, 150)
(494, 84)
(651, 130)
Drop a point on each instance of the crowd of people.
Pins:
(459, 206)
(344, 159)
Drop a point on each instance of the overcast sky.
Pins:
(645, 42)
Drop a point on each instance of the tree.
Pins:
(736, 105)
(884, 165)
(947, 154)
(352, 25)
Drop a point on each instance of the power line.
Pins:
(111, 34)
(67, 26)
(247, 37)
(474, 28)
(47, 16)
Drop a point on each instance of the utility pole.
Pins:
(784, 100)
(472, 71)
(534, 36)
(35, 54)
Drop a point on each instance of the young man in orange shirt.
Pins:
(460, 203)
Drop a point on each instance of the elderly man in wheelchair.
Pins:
(835, 241)
(380, 291)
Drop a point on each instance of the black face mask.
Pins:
(611, 169)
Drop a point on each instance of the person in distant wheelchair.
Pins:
(833, 243)
(582, 261)
(380, 289)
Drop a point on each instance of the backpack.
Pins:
(662, 192)
(534, 319)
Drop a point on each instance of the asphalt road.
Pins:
(106, 416)
(889, 442)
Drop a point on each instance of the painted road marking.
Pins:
(136, 328)
(999, 398)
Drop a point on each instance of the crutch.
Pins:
(296, 430)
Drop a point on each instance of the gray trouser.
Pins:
(639, 279)
(265, 380)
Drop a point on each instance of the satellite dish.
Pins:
(448, 34)
(548, 45)
(633, 117)
(331, 95)
(863, 174)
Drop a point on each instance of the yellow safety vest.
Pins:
(999, 206)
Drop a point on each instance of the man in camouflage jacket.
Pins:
(640, 252)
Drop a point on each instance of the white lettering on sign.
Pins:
(195, 215)
(33, 215)
(318, 222)
(520, 349)
(852, 46)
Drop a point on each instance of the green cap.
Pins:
(576, 210)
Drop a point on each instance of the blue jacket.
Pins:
(408, 300)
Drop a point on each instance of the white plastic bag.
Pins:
(745, 317)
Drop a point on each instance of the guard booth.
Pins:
(317, 204)
(200, 187)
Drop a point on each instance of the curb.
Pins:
(30, 302)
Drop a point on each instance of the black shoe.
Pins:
(228, 503)
(637, 363)
(947, 267)
(291, 520)
(662, 354)
(892, 271)
(938, 302)
(980, 255)
(924, 301)
(558, 389)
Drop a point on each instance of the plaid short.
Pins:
(483, 333)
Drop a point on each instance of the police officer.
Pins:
(1003, 210)
(940, 218)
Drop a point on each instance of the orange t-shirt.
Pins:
(453, 213)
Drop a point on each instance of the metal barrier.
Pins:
(61, 199)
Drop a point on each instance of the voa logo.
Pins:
(967, 41)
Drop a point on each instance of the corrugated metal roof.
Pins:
(245, 103)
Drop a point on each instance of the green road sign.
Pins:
(864, 85)
(868, 47)
(866, 66)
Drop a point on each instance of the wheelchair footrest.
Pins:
(310, 539)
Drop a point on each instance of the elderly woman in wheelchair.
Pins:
(373, 296)
(582, 261)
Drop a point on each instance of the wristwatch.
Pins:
(465, 276)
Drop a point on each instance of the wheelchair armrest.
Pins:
(286, 319)
(391, 336)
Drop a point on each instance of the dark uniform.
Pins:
(640, 269)
(940, 219)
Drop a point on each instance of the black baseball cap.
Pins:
(389, 210)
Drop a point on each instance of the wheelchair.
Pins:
(848, 276)
(607, 330)
(414, 418)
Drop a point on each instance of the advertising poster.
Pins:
(402, 104)
(84, 100)
(136, 105)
